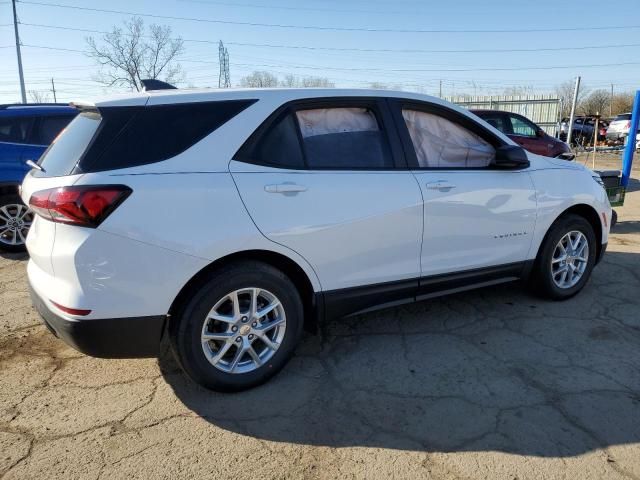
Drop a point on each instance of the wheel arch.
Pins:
(9, 188)
(312, 308)
(589, 214)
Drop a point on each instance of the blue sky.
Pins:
(468, 25)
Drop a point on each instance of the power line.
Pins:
(325, 28)
(400, 70)
(372, 50)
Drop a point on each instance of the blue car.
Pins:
(25, 133)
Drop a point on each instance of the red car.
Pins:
(526, 133)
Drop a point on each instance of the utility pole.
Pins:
(53, 89)
(611, 102)
(15, 28)
(573, 109)
(440, 94)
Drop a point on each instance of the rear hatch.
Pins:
(59, 167)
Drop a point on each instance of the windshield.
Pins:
(67, 148)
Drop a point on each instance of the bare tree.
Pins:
(293, 81)
(39, 96)
(596, 103)
(523, 90)
(128, 55)
(622, 103)
(565, 94)
(259, 79)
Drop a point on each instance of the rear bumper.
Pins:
(133, 337)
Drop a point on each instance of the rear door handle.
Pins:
(440, 185)
(285, 188)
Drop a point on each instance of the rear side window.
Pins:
(498, 122)
(48, 128)
(339, 138)
(157, 133)
(65, 152)
(14, 130)
(622, 116)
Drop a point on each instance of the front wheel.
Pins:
(566, 258)
(240, 328)
(15, 221)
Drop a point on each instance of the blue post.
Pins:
(631, 142)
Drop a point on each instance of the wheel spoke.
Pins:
(559, 259)
(221, 318)
(236, 303)
(224, 337)
(238, 356)
(268, 309)
(254, 356)
(269, 343)
(269, 326)
(221, 353)
(254, 302)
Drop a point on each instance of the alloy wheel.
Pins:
(570, 259)
(243, 330)
(15, 220)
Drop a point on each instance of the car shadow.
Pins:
(493, 369)
(14, 256)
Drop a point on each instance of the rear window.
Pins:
(622, 116)
(124, 137)
(14, 130)
(65, 151)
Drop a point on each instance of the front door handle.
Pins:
(440, 185)
(285, 188)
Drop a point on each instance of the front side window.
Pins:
(14, 130)
(343, 138)
(522, 127)
(441, 143)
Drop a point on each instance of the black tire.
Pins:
(5, 201)
(541, 278)
(186, 326)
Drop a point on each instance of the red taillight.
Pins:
(82, 205)
(72, 311)
(628, 124)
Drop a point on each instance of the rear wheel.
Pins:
(566, 258)
(240, 328)
(15, 221)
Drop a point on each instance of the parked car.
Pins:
(227, 220)
(25, 133)
(619, 127)
(526, 133)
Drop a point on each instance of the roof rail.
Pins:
(153, 84)
(22, 105)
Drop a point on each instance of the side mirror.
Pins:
(511, 156)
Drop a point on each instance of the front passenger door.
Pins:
(322, 178)
(477, 217)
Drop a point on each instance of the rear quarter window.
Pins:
(151, 134)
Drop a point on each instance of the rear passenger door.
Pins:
(327, 178)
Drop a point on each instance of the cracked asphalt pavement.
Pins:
(493, 383)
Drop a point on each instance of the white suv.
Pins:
(228, 220)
